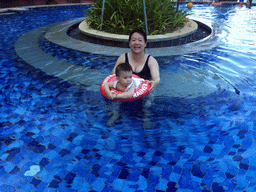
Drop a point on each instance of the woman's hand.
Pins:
(153, 84)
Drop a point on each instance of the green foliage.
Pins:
(122, 16)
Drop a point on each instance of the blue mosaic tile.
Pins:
(28, 187)
(44, 161)
(35, 182)
(19, 182)
(50, 155)
(15, 170)
(217, 187)
(99, 184)
(3, 172)
(7, 188)
(184, 180)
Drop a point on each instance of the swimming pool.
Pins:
(196, 133)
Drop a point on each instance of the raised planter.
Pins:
(117, 40)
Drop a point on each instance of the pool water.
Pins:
(195, 132)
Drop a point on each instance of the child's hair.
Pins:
(140, 31)
(122, 67)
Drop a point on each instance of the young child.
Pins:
(125, 83)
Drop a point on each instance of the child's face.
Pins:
(125, 78)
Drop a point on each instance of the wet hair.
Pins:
(140, 31)
(122, 67)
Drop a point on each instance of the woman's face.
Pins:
(137, 43)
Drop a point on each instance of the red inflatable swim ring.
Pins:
(140, 92)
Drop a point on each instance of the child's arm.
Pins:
(110, 94)
(128, 94)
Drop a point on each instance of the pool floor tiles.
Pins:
(46, 154)
(63, 160)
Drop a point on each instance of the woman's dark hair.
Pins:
(122, 67)
(140, 31)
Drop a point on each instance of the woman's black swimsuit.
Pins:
(145, 72)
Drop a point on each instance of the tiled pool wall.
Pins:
(78, 58)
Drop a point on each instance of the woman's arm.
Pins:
(154, 70)
(121, 59)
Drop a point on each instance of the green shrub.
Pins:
(122, 16)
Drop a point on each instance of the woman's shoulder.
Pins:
(151, 59)
(121, 58)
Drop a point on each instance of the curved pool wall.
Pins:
(60, 35)
(59, 135)
(190, 32)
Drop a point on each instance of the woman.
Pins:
(143, 65)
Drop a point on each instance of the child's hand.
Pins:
(112, 95)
